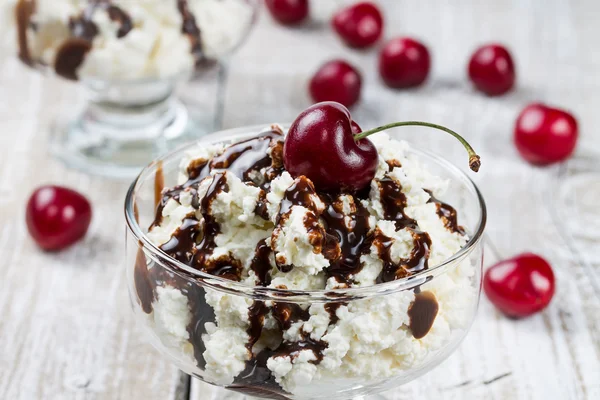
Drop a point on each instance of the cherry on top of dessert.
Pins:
(325, 145)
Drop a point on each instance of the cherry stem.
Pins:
(474, 159)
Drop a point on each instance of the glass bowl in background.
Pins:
(170, 300)
(129, 57)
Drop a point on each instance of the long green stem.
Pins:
(474, 159)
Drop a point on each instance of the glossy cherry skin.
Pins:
(492, 70)
(57, 217)
(520, 286)
(545, 135)
(320, 145)
(359, 25)
(288, 12)
(336, 80)
(404, 63)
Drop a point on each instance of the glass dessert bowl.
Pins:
(129, 56)
(252, 280)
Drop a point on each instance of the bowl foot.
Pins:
(117, 141)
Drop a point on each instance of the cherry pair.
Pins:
(359, 25)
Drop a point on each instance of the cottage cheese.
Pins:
(364, 340)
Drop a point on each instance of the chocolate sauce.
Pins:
(83, 30)
(210, 227)
(24, 9)
(332, 308)
(198, 170)
(261, 263)
(181, 245)
(353, 239)
(298, 194)
(82, 26)
(417, 261)
(118, 15)
(256, 317)
(394, 203)
(447, 213)
(143, 287)
(159, 183)
(70, 56)
(422, 313)
(190, 28)
(257, 380)
(261, 206)
(393, 164)
(201, 314)
(245, 157)
(292, 349)
(287, 314)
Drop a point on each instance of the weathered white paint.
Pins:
(66, 330)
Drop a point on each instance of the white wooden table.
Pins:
(66, 331)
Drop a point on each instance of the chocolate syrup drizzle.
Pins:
(394, 204)
(24, 10)
(341, 238)
(447, 213)
(72, 52)
(353, 236)
(190, 28)
(83, 31)
(422, 313)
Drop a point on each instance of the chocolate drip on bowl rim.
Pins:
(24, 9)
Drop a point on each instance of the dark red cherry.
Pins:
(520, 286)
(326, 146)
(545, 135)
(320, 145)
(57, 217)
(492, 70)
(336, 81)
(288, 12)
(404, 63)
(359, 25)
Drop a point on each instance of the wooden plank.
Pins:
(67, 331)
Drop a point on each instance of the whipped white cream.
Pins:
(128, 40)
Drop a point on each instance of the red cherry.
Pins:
(57, 217)
(288, 12)
(327, 147)
(404, 63)
(492, 69)
(336, 81)
(544, 135)
(320, 145)
(359, 25)
(520, 286)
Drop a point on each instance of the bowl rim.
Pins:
(263, 293)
